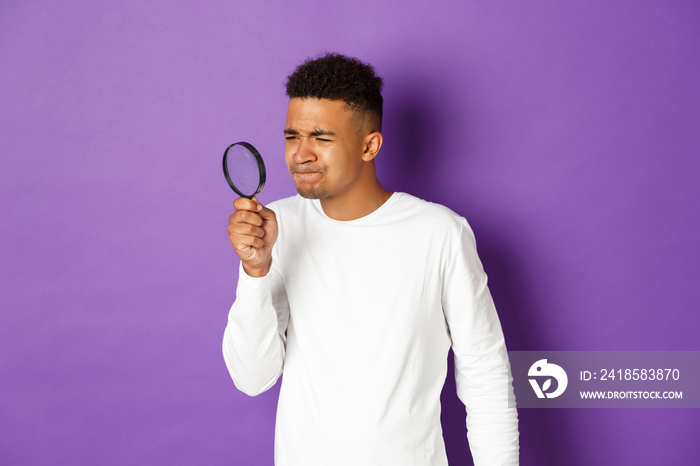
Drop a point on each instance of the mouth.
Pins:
(306, 174)
(294, 169)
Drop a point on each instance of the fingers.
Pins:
(246, 211)
(246, 216)
(251, 205)
(245, 239)
(243, 244)
(252, 232)
(246, 229)
(251, 211)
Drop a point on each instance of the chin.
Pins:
(313, 193)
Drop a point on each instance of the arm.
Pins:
(254, 339)
(255, 336)
(482, 369)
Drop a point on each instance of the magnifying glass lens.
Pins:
(244, 169)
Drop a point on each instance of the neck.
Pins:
(356, 203)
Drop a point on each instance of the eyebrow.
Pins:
(314, 133)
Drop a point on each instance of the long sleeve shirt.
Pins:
(359, 317)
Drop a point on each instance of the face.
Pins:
(323, 148)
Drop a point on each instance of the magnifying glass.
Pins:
(244, 169)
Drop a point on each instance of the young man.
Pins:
(356, 294)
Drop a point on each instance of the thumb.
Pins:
(268, 214)
(265, 213)
(259, 205)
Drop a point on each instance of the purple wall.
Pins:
(567, 135)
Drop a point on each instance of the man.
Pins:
(356, 294)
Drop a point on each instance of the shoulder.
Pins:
(436, 215)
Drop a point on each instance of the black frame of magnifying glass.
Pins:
(258, 160)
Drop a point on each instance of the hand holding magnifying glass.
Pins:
(252, 227)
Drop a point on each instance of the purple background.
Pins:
(566, 133)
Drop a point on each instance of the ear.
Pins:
(371, 144)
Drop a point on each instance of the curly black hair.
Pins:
(337, 77)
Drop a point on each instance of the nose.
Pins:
(304, 152)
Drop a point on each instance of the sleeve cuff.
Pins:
(251, 282)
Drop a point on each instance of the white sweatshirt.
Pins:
(359, 316)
